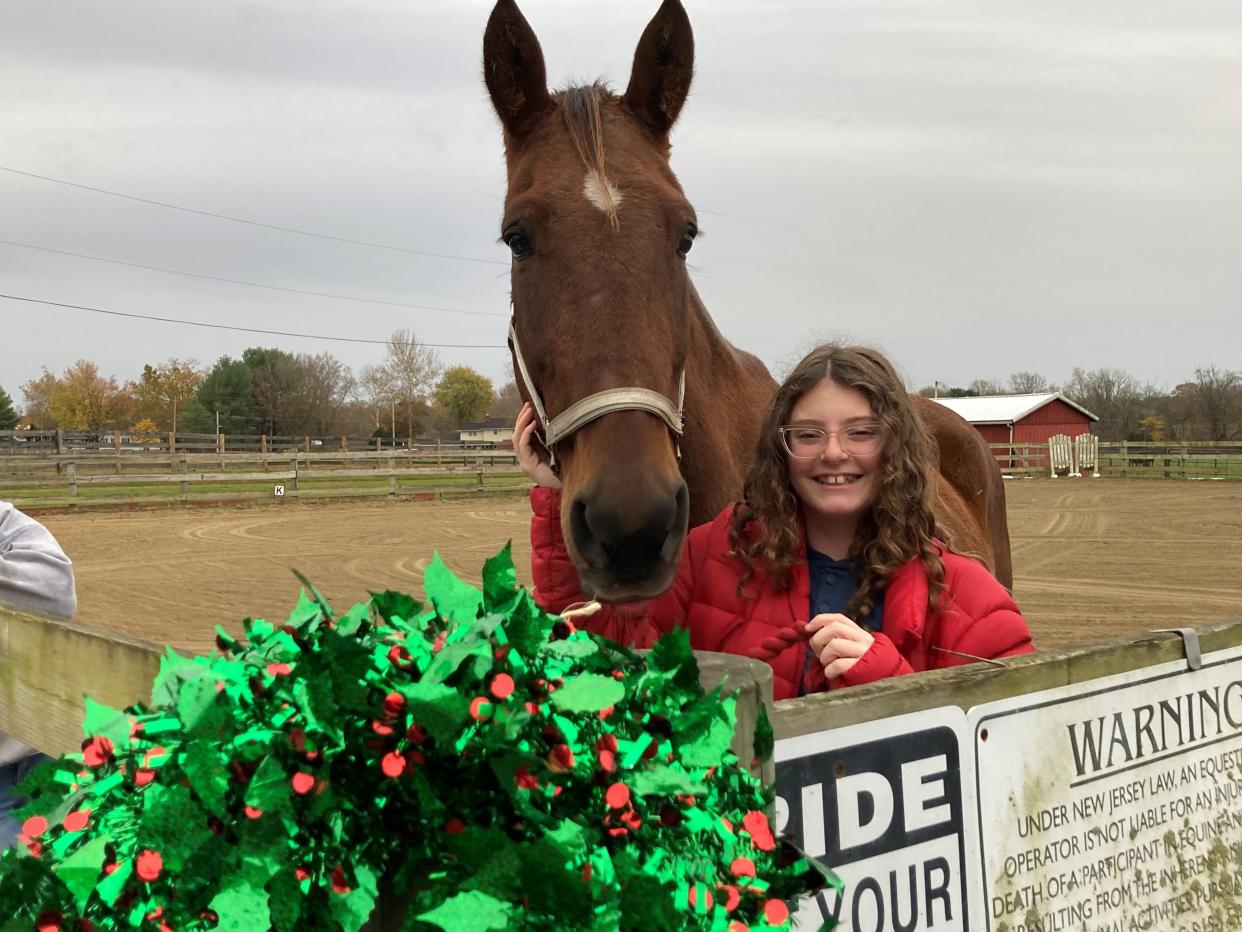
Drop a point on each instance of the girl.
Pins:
(829, 567)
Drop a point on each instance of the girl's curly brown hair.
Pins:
(766, 525)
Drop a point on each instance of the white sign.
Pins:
(888, 806)
(279, 491)
(1114, 805)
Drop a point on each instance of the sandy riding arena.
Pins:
(1091, 557)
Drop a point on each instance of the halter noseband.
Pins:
(587, 409)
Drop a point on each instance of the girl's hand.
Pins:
(531, 455)
(838, 642)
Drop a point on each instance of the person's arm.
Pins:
(35, 574)
(989, 624)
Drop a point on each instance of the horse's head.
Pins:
(599, 230)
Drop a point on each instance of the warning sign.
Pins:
(1115, 805)
(885, 806)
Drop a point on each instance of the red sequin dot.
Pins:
(76, 821)
(339, 883)
(607, 761)
(279, 669)
(561, 758)
(775, 912)
(502, 686)
(417, 734)
(143, 777)
(394, 703)
(742, 867)
(606, 712)
(454, 826)
(49, 921)
(34, 826)
(380, 728)
(736, 926)
(732, 896)
(617, 796)
(525, 779)
(303, 783)
(480, 708)
(301, 873)
(149, 866)
(96, 751)
(756, 825)
(253, 813)
(393, 764)
(708, 902)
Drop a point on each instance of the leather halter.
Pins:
(587, 409)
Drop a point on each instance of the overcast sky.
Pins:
(977, 187)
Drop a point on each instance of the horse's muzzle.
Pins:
(629, 549)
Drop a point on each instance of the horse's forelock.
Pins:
(583, 109)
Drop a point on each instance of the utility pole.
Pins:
(217, 421)
(936, 390)
(393, 434)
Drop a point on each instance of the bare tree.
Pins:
(328, 384)
(1114, 396)
(1219, 396)
(1027, 383)
(507, 401)
(279, 390)
(415, 369)
(986, 387)
(375, 390)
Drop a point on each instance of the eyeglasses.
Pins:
(808, 442)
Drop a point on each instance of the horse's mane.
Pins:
(583, 108)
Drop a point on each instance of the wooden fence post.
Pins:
(185, 477)
(392, 475)
(379, 444)
(344, 444)
(60, 441)
(306, 444)
(295, 474)
(72, 469)
(116, 445)
(439, 453)
(172, 441)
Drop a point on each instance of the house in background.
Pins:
(1022, 419)
(495, 431)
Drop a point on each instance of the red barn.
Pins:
(1021, 419)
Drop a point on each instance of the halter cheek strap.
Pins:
(594, 406)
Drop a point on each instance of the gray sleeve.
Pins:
(35, 574)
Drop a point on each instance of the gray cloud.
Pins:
(977, 187)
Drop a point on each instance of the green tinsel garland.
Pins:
(511, 771)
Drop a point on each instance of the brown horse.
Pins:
(608, 331)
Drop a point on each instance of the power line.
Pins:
(278, 333)
(253, 223)
(236, 281)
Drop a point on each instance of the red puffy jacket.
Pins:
(975, 616)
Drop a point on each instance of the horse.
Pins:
(649, 414)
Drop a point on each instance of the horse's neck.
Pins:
(727, 395)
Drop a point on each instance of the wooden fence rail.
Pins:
(41, 442)
(43, 481)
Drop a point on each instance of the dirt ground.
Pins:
(1091, 557)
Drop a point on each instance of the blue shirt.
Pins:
(832, 586)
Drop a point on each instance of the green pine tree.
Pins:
(8, 414)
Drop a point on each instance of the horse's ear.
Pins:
(513, 69)
(663, 67)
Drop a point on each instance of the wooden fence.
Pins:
(920, 749)
(119, 442)
(1129, 460)
(114, 478)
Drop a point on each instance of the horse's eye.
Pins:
(518, 244)
(686, 241)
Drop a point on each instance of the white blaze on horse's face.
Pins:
(596, 194)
